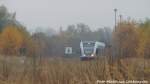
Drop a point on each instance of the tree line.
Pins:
(130, 39)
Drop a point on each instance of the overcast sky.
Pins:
(56, 13)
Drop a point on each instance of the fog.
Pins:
(56, 13)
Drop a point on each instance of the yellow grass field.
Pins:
(71, 71)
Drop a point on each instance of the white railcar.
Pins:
(89, 49)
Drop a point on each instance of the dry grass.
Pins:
(71, 71)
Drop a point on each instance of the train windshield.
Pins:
(88, 50)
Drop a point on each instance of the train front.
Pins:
(87, 50)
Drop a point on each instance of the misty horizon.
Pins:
(56, 14)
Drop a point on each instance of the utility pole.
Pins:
(114, 47)
(120, 18)
(115, 10)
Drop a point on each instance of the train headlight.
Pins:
(92, 55)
